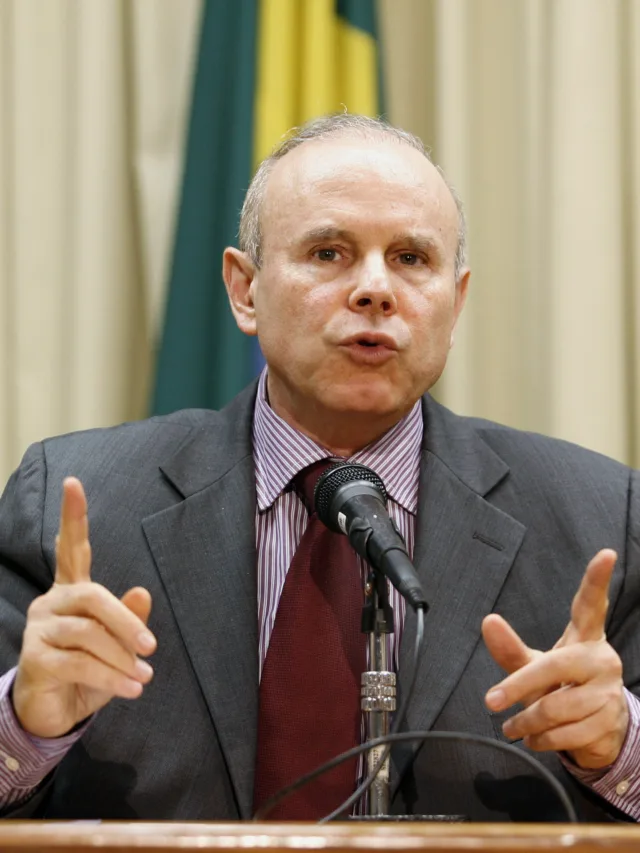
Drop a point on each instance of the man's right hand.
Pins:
(81, 644)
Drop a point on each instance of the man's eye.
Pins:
(410, 259)
(326, 254)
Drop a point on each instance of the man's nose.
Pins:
(373, 292)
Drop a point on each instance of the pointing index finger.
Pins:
(73, 551)
(591, 601)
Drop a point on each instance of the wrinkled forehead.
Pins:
(353, 174)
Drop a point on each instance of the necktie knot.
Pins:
(305, 481)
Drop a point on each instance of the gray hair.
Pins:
(250, 234)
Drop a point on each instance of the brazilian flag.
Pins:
(263, 67)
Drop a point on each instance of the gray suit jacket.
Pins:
(507, 522)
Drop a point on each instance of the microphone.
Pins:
(351, 499)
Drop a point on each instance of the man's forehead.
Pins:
(327, 164)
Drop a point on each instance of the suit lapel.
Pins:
(464, 550)
(204, 548)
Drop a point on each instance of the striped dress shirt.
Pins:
(280, 453)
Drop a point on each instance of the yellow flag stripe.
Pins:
(310, 62)
(276, 97)
(318, 69)
(359, 70)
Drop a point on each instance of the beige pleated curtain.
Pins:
(94, 96)
(531, 106)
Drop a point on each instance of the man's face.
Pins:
(356, 300)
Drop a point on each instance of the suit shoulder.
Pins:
(529, 450)
(124, 443)
(148, 441)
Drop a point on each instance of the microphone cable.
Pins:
(408, 737)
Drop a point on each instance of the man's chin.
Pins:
(373, 399)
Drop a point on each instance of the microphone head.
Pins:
(342, 474)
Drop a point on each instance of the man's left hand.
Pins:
(573, 694)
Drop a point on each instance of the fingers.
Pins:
(138, 601)
(505, 646)
(80, 649)
(81, 644)
(73, 551)
(555, 710)
(509, 651)
(76, 667)
(93, 601)
(590, 603)
(574, 664)
(593, 741)
(573, 693)
(73, 567)
(78, 633)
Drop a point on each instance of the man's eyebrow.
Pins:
(319, 235)
(418, 242)
(424, 243)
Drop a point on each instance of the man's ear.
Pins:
(462, 285)
(238, 273)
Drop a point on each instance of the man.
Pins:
(352, 273)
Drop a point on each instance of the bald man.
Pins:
(352, 272)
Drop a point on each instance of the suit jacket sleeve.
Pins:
(25, 573)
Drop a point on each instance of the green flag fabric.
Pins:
(263, 67)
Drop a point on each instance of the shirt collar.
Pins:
(281, 452)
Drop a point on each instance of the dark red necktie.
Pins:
(310, 686)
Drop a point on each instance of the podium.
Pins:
(83, 837)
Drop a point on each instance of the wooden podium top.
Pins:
(365, 838)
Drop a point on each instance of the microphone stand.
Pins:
(378, 686)
(378, 701)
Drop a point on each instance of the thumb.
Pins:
(138, 600)
(505, 646)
